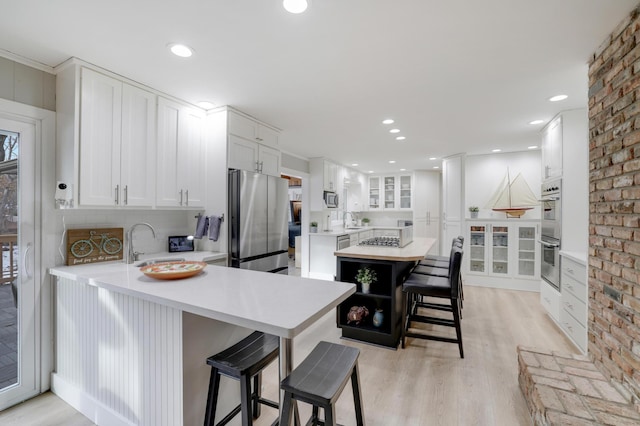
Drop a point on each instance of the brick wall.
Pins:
(614, 206)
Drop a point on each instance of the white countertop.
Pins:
(277, 304)
(576, 256)
(413, 251)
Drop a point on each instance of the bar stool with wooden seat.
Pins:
(320, 379)
(243, 361)
(438, 287)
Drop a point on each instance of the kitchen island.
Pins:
(392, 265)
(131, 350)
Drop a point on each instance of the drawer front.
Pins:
(569, 284)
(575, 307)
(574, 330)
(573, 269)
(550, 300)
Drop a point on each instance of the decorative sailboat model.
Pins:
(513, 197)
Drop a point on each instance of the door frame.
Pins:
(44, 248)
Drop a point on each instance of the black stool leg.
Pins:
(245, 396)
(285, 417)
(314, 416)
(357, 396)
(329, 415)
(456, 320)
(212, 398)
(257, 392)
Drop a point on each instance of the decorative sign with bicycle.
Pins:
(94, 245)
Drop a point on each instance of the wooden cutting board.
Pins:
(94, 245)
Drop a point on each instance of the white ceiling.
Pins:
(456, 75)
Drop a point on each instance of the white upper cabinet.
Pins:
(181, 173)
(330, 176)
(252, 130)
(390, 192)
(116, 144)
(252, 145)
(552, 149)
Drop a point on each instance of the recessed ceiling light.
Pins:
(392, 161)
(496, 150)
(206, 104)
(403, 170)
(387, 121)
(370, 171)
(436, 167)
(295, 6)
(536, 122)
(401, 138)
(558, 98)
(354, 164)
(180, 50)
(432, 158)
(394, 131)
(532, 147)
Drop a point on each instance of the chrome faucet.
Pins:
(354, 218)
(130, 256)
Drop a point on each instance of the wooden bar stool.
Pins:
(320, 379)
(243, 361)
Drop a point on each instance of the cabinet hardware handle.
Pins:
(117, 194)
(257, 166)
(187, 197)
(181, 197)
(25, 261)
(126, 195)
(569, 270)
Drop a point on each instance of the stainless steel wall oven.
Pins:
(550, 237)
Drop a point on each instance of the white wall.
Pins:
(484, 173)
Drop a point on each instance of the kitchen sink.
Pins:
(154, 261)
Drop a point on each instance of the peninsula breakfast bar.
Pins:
(131, 350)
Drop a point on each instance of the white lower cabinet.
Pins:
(550, 300)
(503, 250)
(322, 261)
(574, 299)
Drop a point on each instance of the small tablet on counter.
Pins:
(180, 243)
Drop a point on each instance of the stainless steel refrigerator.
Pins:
(258, 222)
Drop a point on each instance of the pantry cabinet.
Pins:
(390, 192)
(503, 250)
(116, 143)
(574, 298)
(181, 173)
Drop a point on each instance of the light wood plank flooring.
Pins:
(425, 384)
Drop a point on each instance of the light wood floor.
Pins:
(425, 384)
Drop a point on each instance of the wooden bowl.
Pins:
(173, 270)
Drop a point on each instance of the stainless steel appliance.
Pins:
(550, 237)
(343, 241)
(330, 199)
(403, 222)
(258, 228)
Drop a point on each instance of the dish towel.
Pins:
(201, 227)
(214, 227)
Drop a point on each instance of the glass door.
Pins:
(500, 249)
(405, 192)
(527, 251)
(477, 248)
(18, 350)
(374, 193)
(390, 192)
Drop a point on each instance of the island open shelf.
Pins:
(392, 265)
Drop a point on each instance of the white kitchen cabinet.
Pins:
(552, 149)
(247, 155)
(390, 192)
(250, 129)
(325, 175)
(181, 173)
(426, 206)
(573, 301)
(452, 199)
(503, 250)
(550, 300)
(115, 154)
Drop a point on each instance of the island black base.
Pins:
(385, 296)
